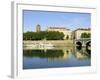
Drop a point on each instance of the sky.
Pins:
(69, 20)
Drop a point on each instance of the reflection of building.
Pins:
(67, 32)
(77, 33)
(38, 28)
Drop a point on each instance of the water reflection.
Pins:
(79, 52)
(56, 57)
(43, 53)
(82, 52)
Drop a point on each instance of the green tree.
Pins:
(85, 35)
(51, 35)
(67, 37)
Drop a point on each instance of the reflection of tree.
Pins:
(58, 54)
(43, 54)
(67, 51)
(62, 58)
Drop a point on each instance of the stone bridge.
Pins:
(82, 42)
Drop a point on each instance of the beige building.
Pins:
(67, 32)
(77, 33)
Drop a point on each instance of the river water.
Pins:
(56, 57)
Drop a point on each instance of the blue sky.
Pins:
(70, 20)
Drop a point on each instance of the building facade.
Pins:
(67, 32)
(78, 32)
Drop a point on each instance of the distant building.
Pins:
(77, 33)
(67, 32)
(38, 28)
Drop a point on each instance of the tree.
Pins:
(85, 35)
(67, 37)
(51, 35)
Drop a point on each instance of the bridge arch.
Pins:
(83, 42)
(88, 43)
(78, 43)
(88, 47)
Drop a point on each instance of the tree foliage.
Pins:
(67, 37)
(85, 35)
(49, 35)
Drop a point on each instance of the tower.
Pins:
(38, 28)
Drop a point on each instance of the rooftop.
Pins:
(58, 28)
(83, 29)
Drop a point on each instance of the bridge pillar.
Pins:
(83, 43)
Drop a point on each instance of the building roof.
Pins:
(58, 28)
(82, 29)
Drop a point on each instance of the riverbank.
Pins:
(58, 43)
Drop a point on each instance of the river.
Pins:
(56, 57)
